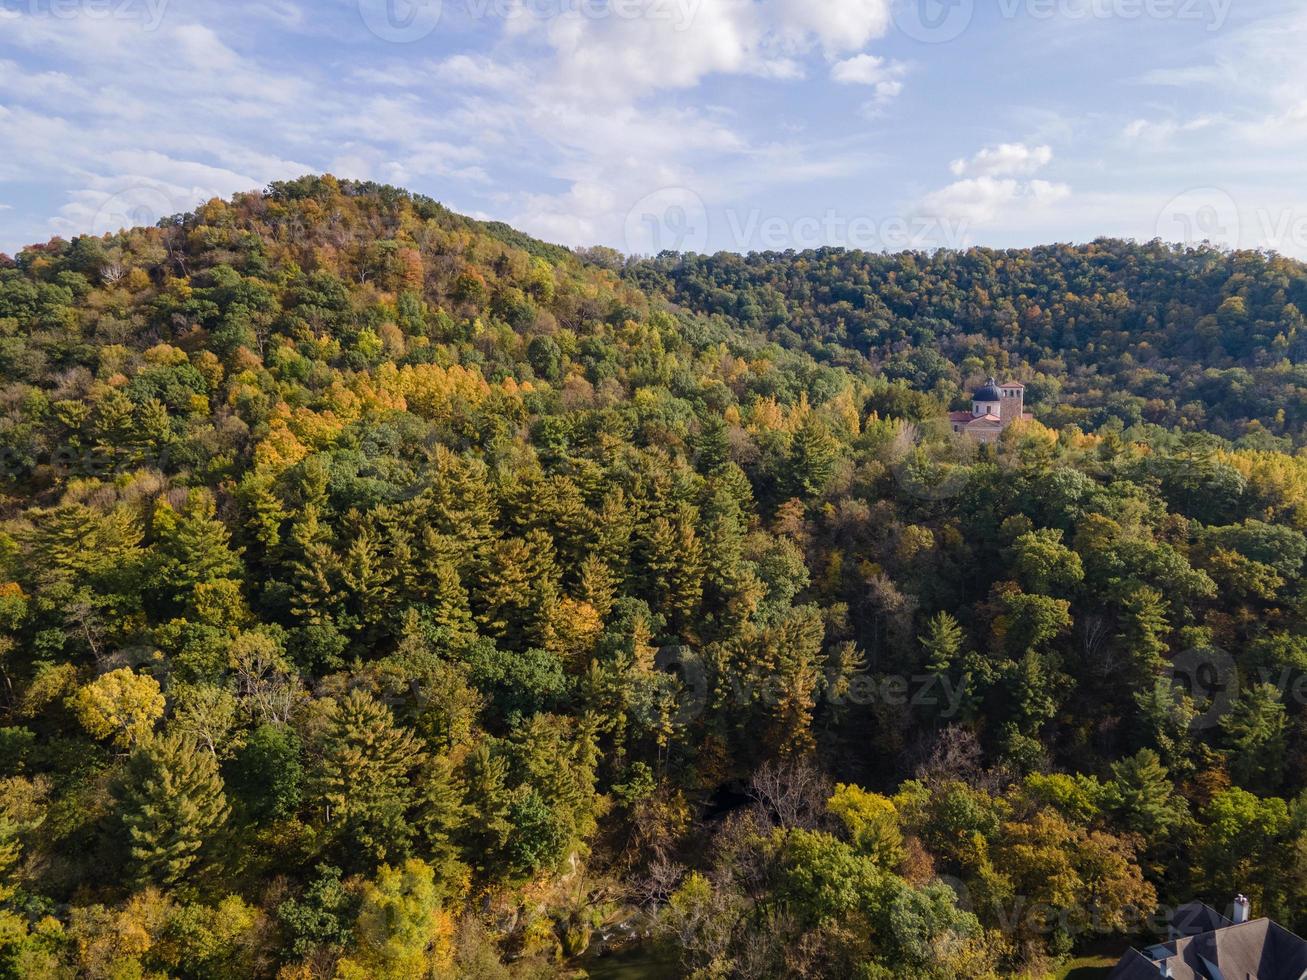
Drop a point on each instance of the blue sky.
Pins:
(700, 124)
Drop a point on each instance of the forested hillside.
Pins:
(1196, 339)
(388, 594)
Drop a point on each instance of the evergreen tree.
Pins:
(712, 447)
(1254, 731)
(488, 797)
(1142, 796)
(193, 547)
(171, 805)
(451, 612)
(675, 568)
(362, 781)
(941, 643)
(1143, 628)
(598, 585)
(812, 458)
(268, 774)
(518, 588)
(441, 809)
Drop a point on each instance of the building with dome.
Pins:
(994, 407)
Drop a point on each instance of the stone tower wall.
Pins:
(1011, 405)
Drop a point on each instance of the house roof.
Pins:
(1259, 948)
(1195, 918)
(1011, 384)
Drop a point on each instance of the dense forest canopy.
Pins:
(1195, 339)
(388, 594)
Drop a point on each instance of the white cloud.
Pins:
(867, 69)
(1043, 192)
(1164, 130)
(620, 58)
(1006, 159)
(598, 96)
(862, 69)
(480, 71)
(1001, 189)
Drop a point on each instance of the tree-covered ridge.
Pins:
(1193, 338)
(387, 594)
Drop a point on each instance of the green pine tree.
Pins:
(674, 560)
(362, 781)
(1254, 733)
(441, 807)
(171, 804)
(1142, 796)
(1143, 631)
(193, 546)
(941, 643)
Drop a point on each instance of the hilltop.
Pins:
(388, 593)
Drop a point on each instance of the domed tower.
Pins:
(987, 400)
(994, 407)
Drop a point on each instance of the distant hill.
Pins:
(1195, 338)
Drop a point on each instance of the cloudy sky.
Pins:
(692, 124)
